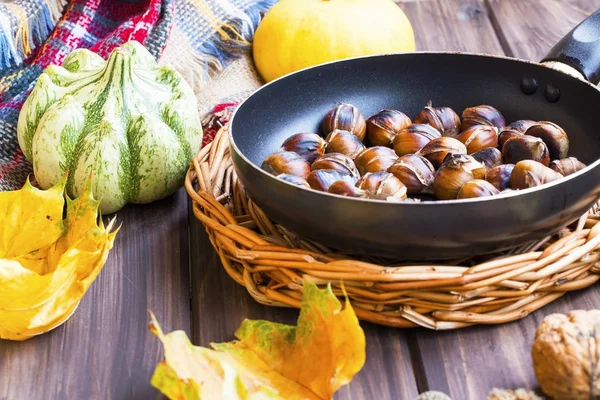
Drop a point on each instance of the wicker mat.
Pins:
(272, 262)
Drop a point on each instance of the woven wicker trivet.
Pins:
(271, 262)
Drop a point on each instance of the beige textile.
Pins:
(237, 81)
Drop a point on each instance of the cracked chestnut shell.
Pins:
(375, 159)
(479, 137)
(322, 179)
(437, 149)
(413, 138)
(414, 171)
(308, 145)
(286, 162)
(294, 180)
(505, 135)
(385, 125)
(347, 189)
(482, 115)
(499, 176)
(337, 162)
(344, 142)
(521, 125)
(477, 188)
(490, 157)
(382, 186)
(456, 170)
(529, 173)
(567, 166)
(525, 147)
(554, 136)
(347, 118)
(444, 119)
(516, 128)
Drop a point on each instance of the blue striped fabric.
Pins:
(241, 15)
(33, 15)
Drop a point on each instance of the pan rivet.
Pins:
(529, 85)
(552, 93)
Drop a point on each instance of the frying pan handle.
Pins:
(580, 49)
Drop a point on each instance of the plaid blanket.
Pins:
(201, 36)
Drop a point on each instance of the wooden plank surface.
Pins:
(528, 29)
(451, 25)
(469, 363)
(105, 350)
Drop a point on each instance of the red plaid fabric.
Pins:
(100, 25)
(218, 118)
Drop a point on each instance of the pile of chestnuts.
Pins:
(390, 157)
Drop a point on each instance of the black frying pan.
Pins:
(440, 229)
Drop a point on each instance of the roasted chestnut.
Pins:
(525, 147)
(383, 126)
(308, 145)
(505, 135)
(286, 162)
(529, 173)
(567, 166)
(444, 119)
(375, 159)
(468, 153)
(479, 137)
(344, 142)
(294, 180)
(413, 138)
(382, 186)
(414, 171)
(554, 136)
(516, 128)
(490, 157)
(520, 125)
(337, 162)
(322, 179)
(437, 149)
(345, 188)
(482, 115)
(456, 170)
(347, 118)
(477, 188)
(499, 176)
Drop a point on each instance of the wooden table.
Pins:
(162, 261)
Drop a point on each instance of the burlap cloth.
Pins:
(233, 84)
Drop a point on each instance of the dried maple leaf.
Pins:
(269, 360)
(46, 262)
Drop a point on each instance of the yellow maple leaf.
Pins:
(268, 361)
(47, 263)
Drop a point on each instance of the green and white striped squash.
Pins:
(126, 122)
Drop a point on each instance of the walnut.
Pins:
(433, 395)
(519, 394)
(566, 354)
